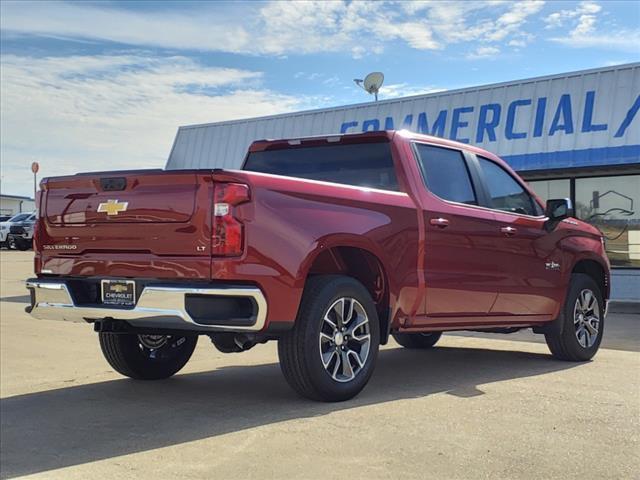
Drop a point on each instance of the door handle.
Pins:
(509, 231)
(439, 222)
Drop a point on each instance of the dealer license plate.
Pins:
(119, 292)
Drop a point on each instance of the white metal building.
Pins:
(13, 204)
(571, 135)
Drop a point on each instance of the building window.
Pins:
(547, 189)
(613, 205)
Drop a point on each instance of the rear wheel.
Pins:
(331, 352)
(417, 340)
(577, 334)
(147, 357)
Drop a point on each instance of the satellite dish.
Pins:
(371, 83)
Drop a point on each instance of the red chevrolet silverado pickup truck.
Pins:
(328, 245)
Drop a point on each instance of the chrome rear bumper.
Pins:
(157, 307)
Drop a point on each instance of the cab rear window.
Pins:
(363, 165)
(445, 173)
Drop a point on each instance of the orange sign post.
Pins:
(35, 166)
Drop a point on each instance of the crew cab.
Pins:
(329, 245)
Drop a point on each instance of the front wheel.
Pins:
(330, 353)
(147, 357)
(577, 333)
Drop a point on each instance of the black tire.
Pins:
(417, 340)
(300, 349)
(562, 337)
(128, 355)
(22, 244)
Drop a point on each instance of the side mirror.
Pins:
(557, 209)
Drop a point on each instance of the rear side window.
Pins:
(445, 173)
(506, 193)
(362, 165)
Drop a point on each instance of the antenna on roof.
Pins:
(371, 83)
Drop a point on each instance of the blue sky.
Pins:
(104, 85)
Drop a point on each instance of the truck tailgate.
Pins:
(122, 223)
(132, 198)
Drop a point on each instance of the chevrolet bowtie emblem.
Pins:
(119, 288)
(113, 207)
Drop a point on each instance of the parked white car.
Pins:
(5, 228)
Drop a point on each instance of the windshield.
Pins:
(19, 217)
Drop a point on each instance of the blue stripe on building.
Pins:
(590, 157)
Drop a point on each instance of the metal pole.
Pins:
(35, 186)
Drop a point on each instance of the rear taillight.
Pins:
(227, 239)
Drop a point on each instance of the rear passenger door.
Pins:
(460, 271)
(522, 248)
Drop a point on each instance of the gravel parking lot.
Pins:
(477, 406)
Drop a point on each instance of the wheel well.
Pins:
(364, 267)
(595, 271)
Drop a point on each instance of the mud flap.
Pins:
(553, 327)
(385, 327)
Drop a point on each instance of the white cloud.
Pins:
(198, 30)
(358, 51)
(317, 77)
(621, 40)
(583, 32)
(483, 52)
(280, 28)
(300, 27)
(417, 34)
(331, 81)
(585, 10)
(513, 20)
(517, 43)
(109, 112)
(491, 21)
(395, 90)
(277, 28)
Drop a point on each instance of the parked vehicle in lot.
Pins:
(17, 232)
(21, 233)
(328, 245)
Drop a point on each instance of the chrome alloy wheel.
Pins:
(586, 318)
(345, 339)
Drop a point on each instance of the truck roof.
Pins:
(374, 136)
